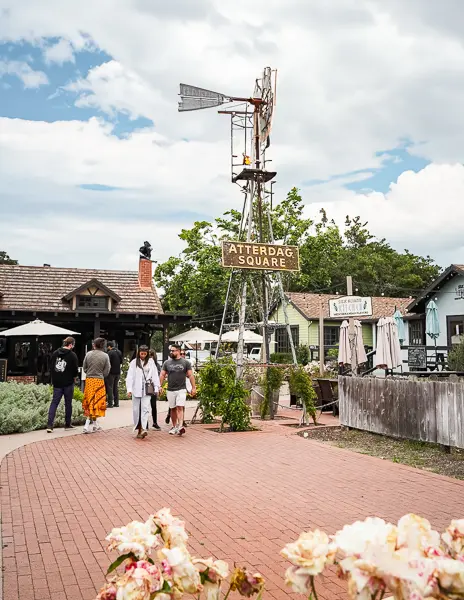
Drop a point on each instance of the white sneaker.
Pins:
(173, 431)
(85, 430)
(97, 428)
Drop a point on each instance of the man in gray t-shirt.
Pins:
(177, 370)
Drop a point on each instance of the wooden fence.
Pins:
(429, 411)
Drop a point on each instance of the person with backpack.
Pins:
(64, 370)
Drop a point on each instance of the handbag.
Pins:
(149, 385)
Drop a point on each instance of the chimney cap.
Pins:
(46, 265)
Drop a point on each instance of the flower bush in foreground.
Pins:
(407, 561)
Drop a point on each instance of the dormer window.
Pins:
(92, 296)
(92, 303)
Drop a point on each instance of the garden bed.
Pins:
(420, 455)
(24, 407)
(228, 430)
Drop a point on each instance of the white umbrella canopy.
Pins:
(250, 337)
(37, 328)
(195, 335)
(388, 351)
(344, 348)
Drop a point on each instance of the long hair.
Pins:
(146, 359)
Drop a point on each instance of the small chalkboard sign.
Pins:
(3, 366)
(417, 357)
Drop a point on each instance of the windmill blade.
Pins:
(195, 98)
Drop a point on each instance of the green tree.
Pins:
(196, 282)
(6, 260)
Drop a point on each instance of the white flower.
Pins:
(353, 540)
(184, 574)
(299, 579)
(416, 534)
(453, 537)
(450, 575)
(172, 529)
(136, 537)
(213, 573)
(134, 588)
(312, 551)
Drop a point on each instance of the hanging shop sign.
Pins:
(350, 306)
(264, 257)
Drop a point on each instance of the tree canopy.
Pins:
(196, 282)
(6, 260)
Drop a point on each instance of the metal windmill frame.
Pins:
(251, 124)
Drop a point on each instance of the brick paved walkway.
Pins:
(242, 495)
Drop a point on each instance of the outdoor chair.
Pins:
(329, 395)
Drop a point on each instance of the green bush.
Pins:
(301, 385)
(270, 382)
(223, 396)
(281, 358)
(302, 355)
(456, 358)
(25, 407)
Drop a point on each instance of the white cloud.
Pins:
(21, 70)
(59, 53)
(422, 211)
(355, 77)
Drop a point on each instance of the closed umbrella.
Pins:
(345, 349)
(400, 325)
(388, 351)
(432, 324)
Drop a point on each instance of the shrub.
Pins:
(301, 385)
(271, 382)
(25, 407)
(281, 358)
(456, 358)
(223, 396)
(302, 355)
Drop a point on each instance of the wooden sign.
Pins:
(417, 357)
(263, 257)
(3, 368)
(350, 306)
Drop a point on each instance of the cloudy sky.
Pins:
(95, 158)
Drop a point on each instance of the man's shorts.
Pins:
(177, 398)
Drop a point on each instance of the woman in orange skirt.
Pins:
(96, 367)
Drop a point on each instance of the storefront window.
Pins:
(22, 350)
(455, 330)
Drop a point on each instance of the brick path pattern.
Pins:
(243, 496)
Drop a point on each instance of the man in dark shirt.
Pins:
(177, 370)
(112, 380)
(64, 369)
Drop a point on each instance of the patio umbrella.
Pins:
(388, 351)
(345, 349)
(37, 328)
(250, 337)
(195, 336)
(400, 325)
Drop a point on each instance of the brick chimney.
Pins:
(145, 274)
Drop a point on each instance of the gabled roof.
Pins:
(89, 284)
(417, 304)
(43, 289)
(307, 305)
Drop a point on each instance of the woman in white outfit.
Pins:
(142, 376)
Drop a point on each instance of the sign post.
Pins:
(351, 331)
(260, 257)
